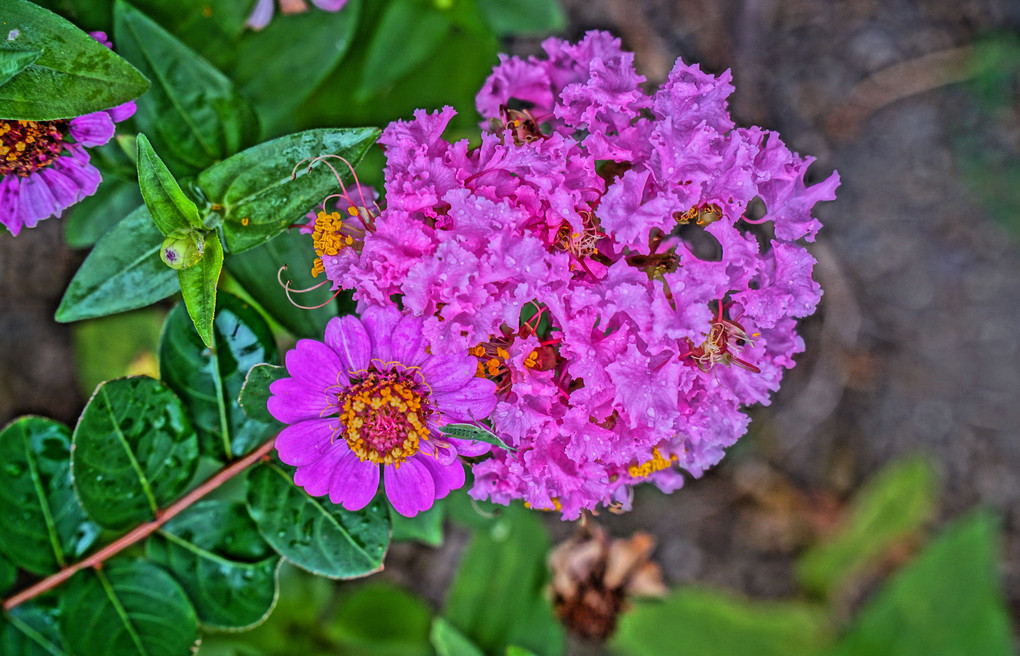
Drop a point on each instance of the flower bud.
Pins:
(182, 248)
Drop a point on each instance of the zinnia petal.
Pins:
(354, 483)
(379, 322)
(330, 5)
(293, 401)
(408, 341)
(315, 364)
(410, 487)
(317, 476)
(447, 477)
(449, 373)
(93, 129)
(475, 400)
(10, 204)
(349, 340)
(37, 201)
(306, 441)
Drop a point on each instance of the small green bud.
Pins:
(183, 248)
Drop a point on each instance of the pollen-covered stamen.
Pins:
(658, 462)
(332, 234)
(724, 340)
(583, 244)
(701, 214)
(521, 124)
(385, 415)
(27, 146)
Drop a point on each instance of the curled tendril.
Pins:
(287, 290)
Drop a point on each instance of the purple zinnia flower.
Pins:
(372, 397)
(44, 167)
(263, 11)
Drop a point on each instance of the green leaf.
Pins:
(210, 380)
(278, 83)
(198, 287)
(694, 621)
(13, 61)
(448, 641)
(425, 527)
(123, 272)
(895, 503)
(256, 271)
(414, 29)
(381, 619)
(134, 451)
(514, 650)
(255, 189)
(255, 391)
(504, 568)
(30, 629)
(73, 75)
(170, 209)
(947, 602)
(523, 17)
(192, 113)
(48, 529)
(475, 433)
(133, 609)
(8, 572)
(225, 567)
(96, 215)
(314, 533)
(114, 347)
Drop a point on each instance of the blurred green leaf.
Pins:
(699, 622)
(133, 609)
(210, 380)
(125, 260)
(198, 288)
(30, 629)
(192, 113)
(117, 346)
(947, 602)
(380, 619)
(425, 527)
(74, 74)
(170, 209)
(448, 641)
(255, 391)
(96, 215)
(412, 28)
(8, 572)
(256, 270)
(134, 451)
(217, 555)
(894, 504)
(514, 650)
(498, 597)
(278, 71)
(44, 527)
(262, 190)
(523, 17)
(13, 61)
(314, 533)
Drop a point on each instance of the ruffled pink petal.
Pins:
(447, 477)
(260, 15)
(306, 441)
(316, 365)
(37, 201)
(408, 341)
(93, 129)
(330, 5)
(410, 487)
(448, 373)
(349, 340)
(475, 400)
(317, 476)
(355, 482)
(293, 401)
(380, 321)
(10, 204)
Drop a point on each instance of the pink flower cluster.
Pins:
(594, 252)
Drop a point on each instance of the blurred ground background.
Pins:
(913, 349)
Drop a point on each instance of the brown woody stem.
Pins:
(141, 531)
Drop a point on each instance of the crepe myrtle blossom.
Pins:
(44, 165)
(627, 268)
(371, 400)
(263, 11)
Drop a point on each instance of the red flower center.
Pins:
(385, 416)
(27, 146)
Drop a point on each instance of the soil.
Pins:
(912, 350)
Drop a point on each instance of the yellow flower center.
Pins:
(649, 467)
(384, 416)
(27, 146)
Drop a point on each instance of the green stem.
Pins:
(141, 531)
